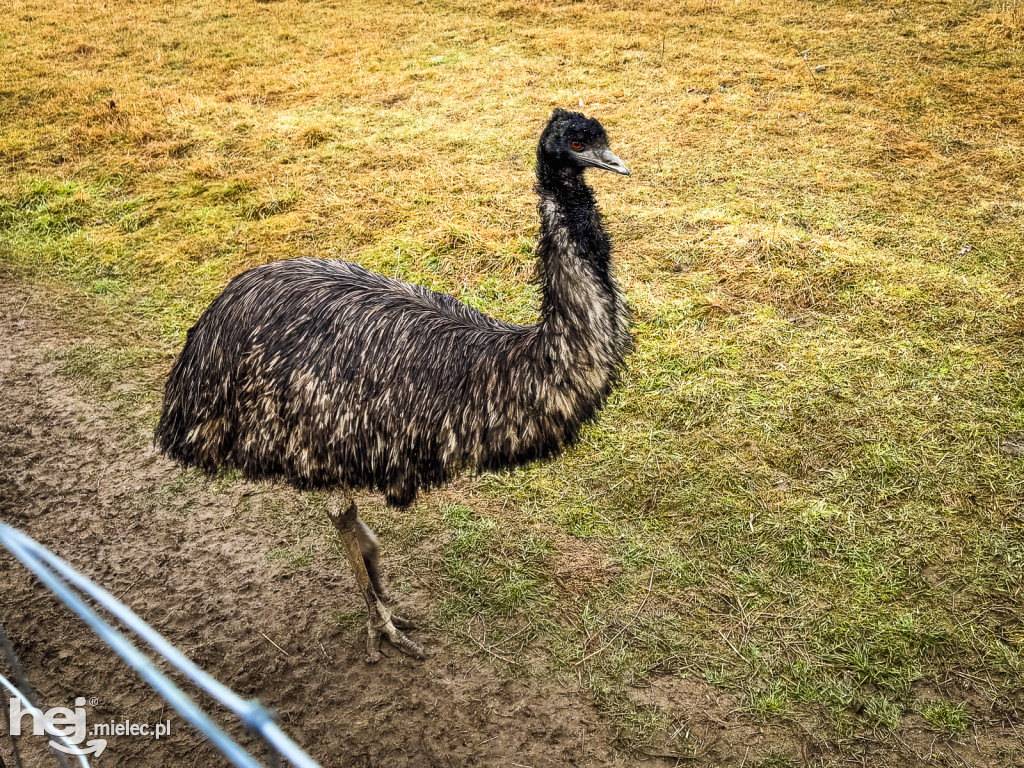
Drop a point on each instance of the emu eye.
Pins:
(576, 145)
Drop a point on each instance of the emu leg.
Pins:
(370, 547)
(380, 622)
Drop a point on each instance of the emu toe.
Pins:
(389, 626)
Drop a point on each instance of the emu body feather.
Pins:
(324, 375)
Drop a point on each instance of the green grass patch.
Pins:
(951, 718)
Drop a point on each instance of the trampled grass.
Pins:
(806, 494)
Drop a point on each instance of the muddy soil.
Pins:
(197, 569)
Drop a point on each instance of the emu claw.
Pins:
(401, 623)
(389, 626)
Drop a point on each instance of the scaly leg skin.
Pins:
(369, 546)
(360, 547)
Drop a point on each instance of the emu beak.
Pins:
(607, 161)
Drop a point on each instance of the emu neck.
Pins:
(580, 298)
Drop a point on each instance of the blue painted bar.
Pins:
(58, 576)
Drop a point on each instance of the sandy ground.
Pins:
(69, 478)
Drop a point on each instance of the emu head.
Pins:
(573, 140)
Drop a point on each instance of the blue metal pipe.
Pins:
(56, 574)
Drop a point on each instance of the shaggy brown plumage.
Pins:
(324, 375)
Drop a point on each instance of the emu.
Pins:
(326, 376)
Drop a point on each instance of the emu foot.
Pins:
(386, 624)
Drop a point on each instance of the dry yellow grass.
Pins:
(821, 242)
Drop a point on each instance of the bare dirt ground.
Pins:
(69, 478)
